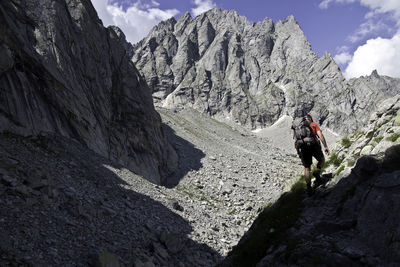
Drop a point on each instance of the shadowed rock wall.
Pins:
(62, 72)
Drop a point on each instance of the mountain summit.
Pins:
(251, 73)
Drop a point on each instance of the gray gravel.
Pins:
(64, 205)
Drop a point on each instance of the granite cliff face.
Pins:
(381, 133)
(62, 72)
(251, 73)
(368, 92)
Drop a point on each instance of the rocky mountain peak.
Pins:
(249, 73)
(367, 92)
(327, 55)
(227, 18)
(231, 69)
(182, 23)
(375, 74)
(122, 40)
(163, 26)
(290, 20)
(185, 17)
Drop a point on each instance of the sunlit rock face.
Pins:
(252, 73)
(350, 220)
(62, 72)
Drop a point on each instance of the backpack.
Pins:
(303, 133)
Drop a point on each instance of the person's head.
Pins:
(308, 117)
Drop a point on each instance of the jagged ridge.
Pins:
(251, 73)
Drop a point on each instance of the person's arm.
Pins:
(295, 143)
(322, 138)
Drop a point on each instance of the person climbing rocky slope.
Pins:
(351, 221)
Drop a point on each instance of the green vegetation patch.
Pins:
(340, 169)
(378, 139)
(371, 134)
(397, 120)
(358, 134)
(233, 212)
(351, 163)
(269, 229)
(346, 143)
(393, 138)
(334, 159)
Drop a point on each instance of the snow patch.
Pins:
(282, 120)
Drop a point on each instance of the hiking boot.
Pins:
(318, 180)
(317, 174)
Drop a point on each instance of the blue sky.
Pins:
(361, 35)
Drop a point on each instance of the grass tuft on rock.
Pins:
(340, 169)
(269, 229)
(394, 137)
(346, 143)
(334, 159)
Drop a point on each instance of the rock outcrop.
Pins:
(62, 72)
(382, 132)
(352, 220)
(369, 91)
(250, 73)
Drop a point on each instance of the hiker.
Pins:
(306, 135)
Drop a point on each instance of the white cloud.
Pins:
(367, 28)
(101, 8)
(383, 6)
(202, 6)
(343, 49)
(374, 19)
(380, 54)
(325, 3)
(136, 21)
(343, 58)
(155, 3)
